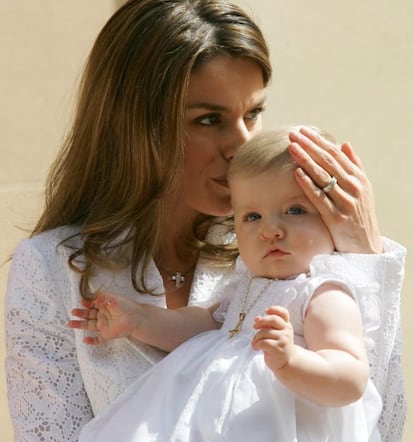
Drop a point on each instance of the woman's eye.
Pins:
(252, 217)
(209, 120)
(295, 210)
(253, 115)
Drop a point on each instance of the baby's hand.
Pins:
(274, 337)
(109, 315)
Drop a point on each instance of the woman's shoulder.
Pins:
(39, 272)
(51, 242)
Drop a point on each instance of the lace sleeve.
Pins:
(47, 400)
(385, 356)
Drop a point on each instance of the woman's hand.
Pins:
(110, 316)
(348, 209)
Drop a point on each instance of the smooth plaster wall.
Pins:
(345, 66)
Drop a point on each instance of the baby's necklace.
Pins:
(246, 309)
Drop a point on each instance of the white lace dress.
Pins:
(56, 383)
(213, 388)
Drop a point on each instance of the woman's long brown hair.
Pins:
(125, 147)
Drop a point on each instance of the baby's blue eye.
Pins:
(295, 210)
(252, 217)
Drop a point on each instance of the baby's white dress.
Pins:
(213, 388)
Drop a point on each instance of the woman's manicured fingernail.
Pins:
(300, 173)
(295, 150)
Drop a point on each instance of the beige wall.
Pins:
(345, 66)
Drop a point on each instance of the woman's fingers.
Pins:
(347, 149)
(346, 206)
(320, 158)
(324, 203)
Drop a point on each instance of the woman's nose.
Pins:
(237, 136)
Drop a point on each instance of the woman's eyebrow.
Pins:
(207, 106)
(218, 107)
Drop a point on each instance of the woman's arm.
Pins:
(348, 209)
(114, 316)
(333, 370)
(46, 396)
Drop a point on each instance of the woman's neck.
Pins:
(177, 256)
(178, 232)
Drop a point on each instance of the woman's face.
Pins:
(224, 104)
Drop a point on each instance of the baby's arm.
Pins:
(115, 316)
(333, 370)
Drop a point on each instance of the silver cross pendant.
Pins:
(178, 278)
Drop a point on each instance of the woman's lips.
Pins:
(221, 181)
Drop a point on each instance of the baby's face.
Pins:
(278, 229)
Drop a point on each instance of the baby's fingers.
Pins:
(276, 317)
(74, 323)
(93, 340)
(87, 324)
(84, 313)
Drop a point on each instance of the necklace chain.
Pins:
(246, 309)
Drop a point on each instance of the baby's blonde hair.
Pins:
(267, 150)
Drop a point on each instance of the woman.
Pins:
(285, 327)
(171, 90)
